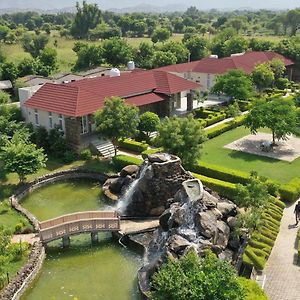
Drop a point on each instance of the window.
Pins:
(36, 117)
(50, 120)
(84, 124)
(60, 121)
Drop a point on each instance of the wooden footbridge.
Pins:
(76, 223)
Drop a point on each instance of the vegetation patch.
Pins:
(263, 238)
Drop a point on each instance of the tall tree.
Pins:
(144, 55)
(149, 122)
(21, 156)
(160, 35)
(197, 47)
(116, 120)
(182, 137)
(235, 83)
(161, 58)
(34, 44)
(178, 49)
(117, 51)
(194, 278)
(279, 115)
(263, 76)
(87, 17)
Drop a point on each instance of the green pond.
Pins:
(64, 197)
(103, 271)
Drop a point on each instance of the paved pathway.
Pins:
(282, 270)
(28, 238)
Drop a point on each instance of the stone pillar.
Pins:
(66, 241)
(189, 104)
(94, 237)
(73, 132)
(178, 100)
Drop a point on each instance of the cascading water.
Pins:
(126, 198)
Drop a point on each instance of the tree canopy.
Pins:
(194, 278)
(235, 83)
(263, 76)
(21, 156)
(182, 137)
(279, 115)
(116, 120)
(149, 122)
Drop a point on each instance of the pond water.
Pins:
(106, 271)
(103, 271)
(64, 197)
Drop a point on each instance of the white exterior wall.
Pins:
(43, 118)
(24, 94)
(207, 81)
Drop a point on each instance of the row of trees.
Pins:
(42, 61)
(241, 86)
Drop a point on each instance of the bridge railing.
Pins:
(87, 215)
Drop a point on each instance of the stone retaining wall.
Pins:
(15, 289)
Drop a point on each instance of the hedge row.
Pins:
(289, 192)
(121, 161)
(133, 145)
(221, 173)
(219, 129)
(263, 238)
(223, 188)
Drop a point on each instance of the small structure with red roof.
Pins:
(204, 71)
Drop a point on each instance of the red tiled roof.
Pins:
(246, 62)
(87, 96)
(145, 99)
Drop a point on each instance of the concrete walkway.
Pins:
(25, 238)
(282, 270)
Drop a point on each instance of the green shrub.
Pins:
(86, 154)
(150, 151)
(121, 161)
(223, 188)
(290, 191)
(69, 156)
(133, 145)
(258, 261)
(221, 173)
(252, 290)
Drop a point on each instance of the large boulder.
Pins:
(116, 185)
(177, 243)
(227, 208)
(207, 224)
(129, 170)
(223, 234)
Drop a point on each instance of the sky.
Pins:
(201, 4)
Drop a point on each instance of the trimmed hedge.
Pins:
(219, 129)
(221, 173)
(223, 188)
(263, 238)
(121, 161)
(133, 145)
(290, 191)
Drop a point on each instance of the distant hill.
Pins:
(153, 5)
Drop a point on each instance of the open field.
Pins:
(66, 56)
(214, 153)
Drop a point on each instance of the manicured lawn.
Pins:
(214, 153)
(9, 182)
